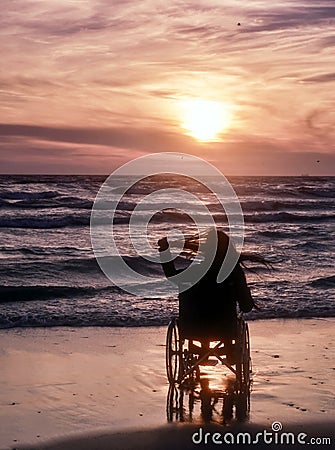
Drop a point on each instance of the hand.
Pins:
(163, 244)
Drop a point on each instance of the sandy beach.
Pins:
(103, 388)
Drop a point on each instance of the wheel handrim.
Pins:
(173, 352)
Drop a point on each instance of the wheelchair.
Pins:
(193, 342)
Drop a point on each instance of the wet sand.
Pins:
(99, 387)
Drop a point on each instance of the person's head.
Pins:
(215, 245)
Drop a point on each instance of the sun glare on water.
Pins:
(205, 119)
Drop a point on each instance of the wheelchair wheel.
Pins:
(243, 366)
(246, 358)
(173, 352)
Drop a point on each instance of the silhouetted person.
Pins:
(208, 309)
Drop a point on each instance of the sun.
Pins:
(205, 119)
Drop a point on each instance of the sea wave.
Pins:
(156, 316)
(312, 245)
(80, 266)
(42, 251)
(70, 220)
(96, 319)
(311, 191)
(27, 195)
(162, 217)
(28, 293)
(324, 282)
(277, 234)
(3, 203)
(62, 202)
(297, 205)
(285, 217)
(174, 216)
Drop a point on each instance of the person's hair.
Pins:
(192, 244)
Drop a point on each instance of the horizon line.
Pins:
(106, 175)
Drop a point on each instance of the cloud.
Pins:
(321, 124)
(287, 15)
(320, 78)
(127, 138)
(30, 155)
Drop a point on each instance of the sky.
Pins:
(87, 85)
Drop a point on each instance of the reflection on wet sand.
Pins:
(205, 401)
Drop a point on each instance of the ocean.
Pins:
(49, 275)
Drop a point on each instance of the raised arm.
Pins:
(168, 266)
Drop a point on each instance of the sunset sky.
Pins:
(87, 85)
